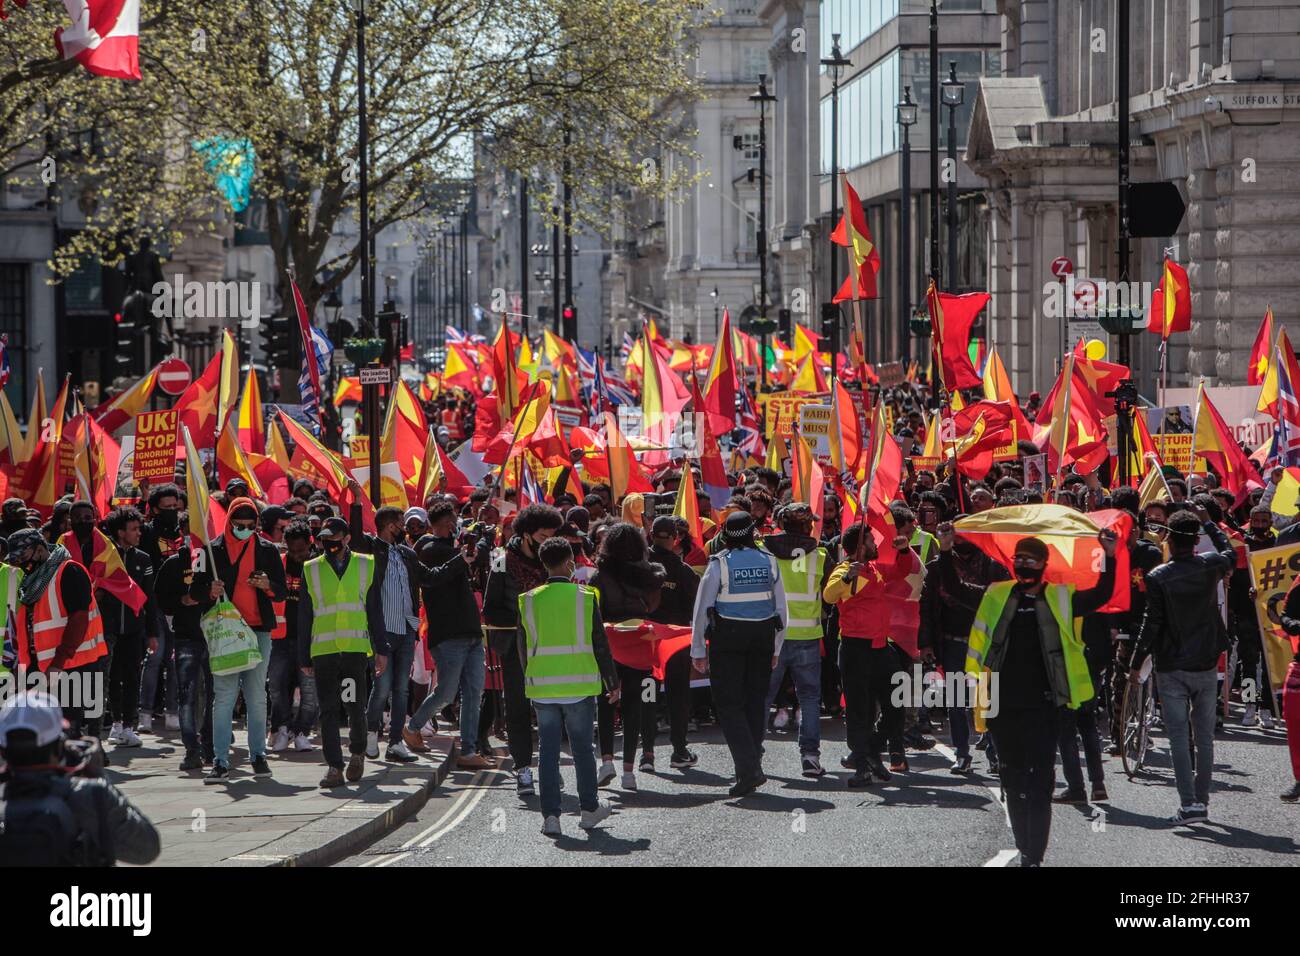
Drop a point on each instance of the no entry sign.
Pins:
(174, 376)
(1062, 267)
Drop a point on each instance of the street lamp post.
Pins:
(831, 314)
(523, 255)
(570, 334)
(954, 93)
(555, 270)
(714, 296)
(370, 394)
(906, 110)
(935, 272)
(762, 97)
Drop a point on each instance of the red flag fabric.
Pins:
(1171, 302)
(979, 429)
(720, 388)
(852, 231)
(104, 37)
(107, 572)
(1261, 354)
(197, 407)
(951, 318)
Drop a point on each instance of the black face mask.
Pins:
(1029, 576)
(332, 547)
(166, 520)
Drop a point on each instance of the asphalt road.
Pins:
(925, 817)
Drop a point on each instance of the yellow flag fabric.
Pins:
(196, 490)
(36, 414)
(228, 392)
(12, 445)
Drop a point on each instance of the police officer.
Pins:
(740, 611)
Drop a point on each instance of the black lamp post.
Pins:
(762, 97)
(906, 112)
(370, 392)
(523, 255)
(836, 63)
(714, 296)
(954, 93)
(935, 272)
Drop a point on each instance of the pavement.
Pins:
(924, 817)
(286, 820)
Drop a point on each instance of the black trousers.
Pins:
(1026, 741)
(677, 685)
(1076, 724)
(740, 670)
(519, 713)
(332, 670)
(639, 720)
(125, 652)
(1250, 651)
(867, 673)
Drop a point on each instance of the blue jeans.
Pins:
(153, 671)
(954, 662)
(194, 682)
(803, 658)
(395, 680)
(578, 718)
(225, 691)
(1189, 702)
(460, 663)
(283, 674)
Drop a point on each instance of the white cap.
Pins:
(33, 711)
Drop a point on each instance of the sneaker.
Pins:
(192, 761)
(877, 769)
(744, 787)
(1114, 749)
(848, 763)
(913, 739)
(280, 740)
(1292, 794)
(1196, 813)
(629, 780)
(812, 767)
(647, 763)
(333, 778)
(590, 818)
(1099, 794)
(260, 767)
(1076, 797)
(302, 743)
(397, 753)
(1266, 719)
(683, 759)
(551, 827)
(219, 773)
(474, 762)
(126, 737)
(414, 741)
(172, 722)
(860, 780)
(524, 782)
(372, 745)
(898, 763)
(606, 775)
(982, 743)
(960, 767)
(116, 731)
(782, 719)
(1251, 717)
(995, 769)
(356, 767)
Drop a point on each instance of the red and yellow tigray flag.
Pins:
(806, 342)
(557, 350)
(12, 444)
(807, 480)
(951, 318)
(97, 461)
(1212, 440)
(1144, 451)
(1261, 354)
(347, 390)
(1076, 435)
(1285, 354)
(1171, 302)
(107, 572)
(846, 433)
(721, 382)
(853, 232)
(687, 505)
(196, 409)
(809, 379)
(122, 410)
(624, 472)
(777, 452)
(320, 457)
(228, 391)
(507, 380)
(979, 430)
(233, 463)
(1153, 486)
(403, 439)
(38, 482)
(932, 453)
(663, 396)
(203, 522)
(251, 424)
(276, 449)
(884, 476)
(36, 415)
(997, 388)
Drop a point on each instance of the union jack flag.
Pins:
(1286, 444)
(619, 392)
(530, 492)
(751, 432)
(455, 336)
(626, 350)
(588, 365)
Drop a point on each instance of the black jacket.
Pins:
(266, 559)
(1182, 627)
(112, 828)
(1291, 615)
(118, 618)
(511, 574)
(952, 593)
(175, 582)
(417, 575)
(453, 611)
(628, 590)
(677, 597)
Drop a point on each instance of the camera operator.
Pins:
(55, 810)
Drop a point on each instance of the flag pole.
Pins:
(1196, 423)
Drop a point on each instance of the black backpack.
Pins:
(39, 828)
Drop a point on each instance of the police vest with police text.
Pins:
(747, 590)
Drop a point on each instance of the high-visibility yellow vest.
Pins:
(557, 619)
(1067, 669)
(339, 624)
(802, 577)
(10, 578)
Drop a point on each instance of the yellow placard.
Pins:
(1272, 572)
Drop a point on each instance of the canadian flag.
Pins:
(104, 37)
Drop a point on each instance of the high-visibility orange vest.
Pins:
(49, 619)
(451, 419)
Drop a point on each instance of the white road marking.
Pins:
(1003, 857)
(461, 807)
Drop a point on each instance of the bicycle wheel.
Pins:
(1135, 716)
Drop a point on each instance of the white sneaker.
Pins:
(400, 751)
(280, 740)
(126, 737)
(116, 732)
(172, 722)
(1266, 719)
(629, 781)
(606, 775)
(302, 742)
(551, 826)
(372, 745)
(524, 781)
(1250, 717)
(592, 817)
(782, 719)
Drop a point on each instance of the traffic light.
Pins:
(783, 317)
(831, 327)
(389, 322)
(124, 331)
(570, 327)
(277, 342)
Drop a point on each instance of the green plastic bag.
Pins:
(232, 645)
